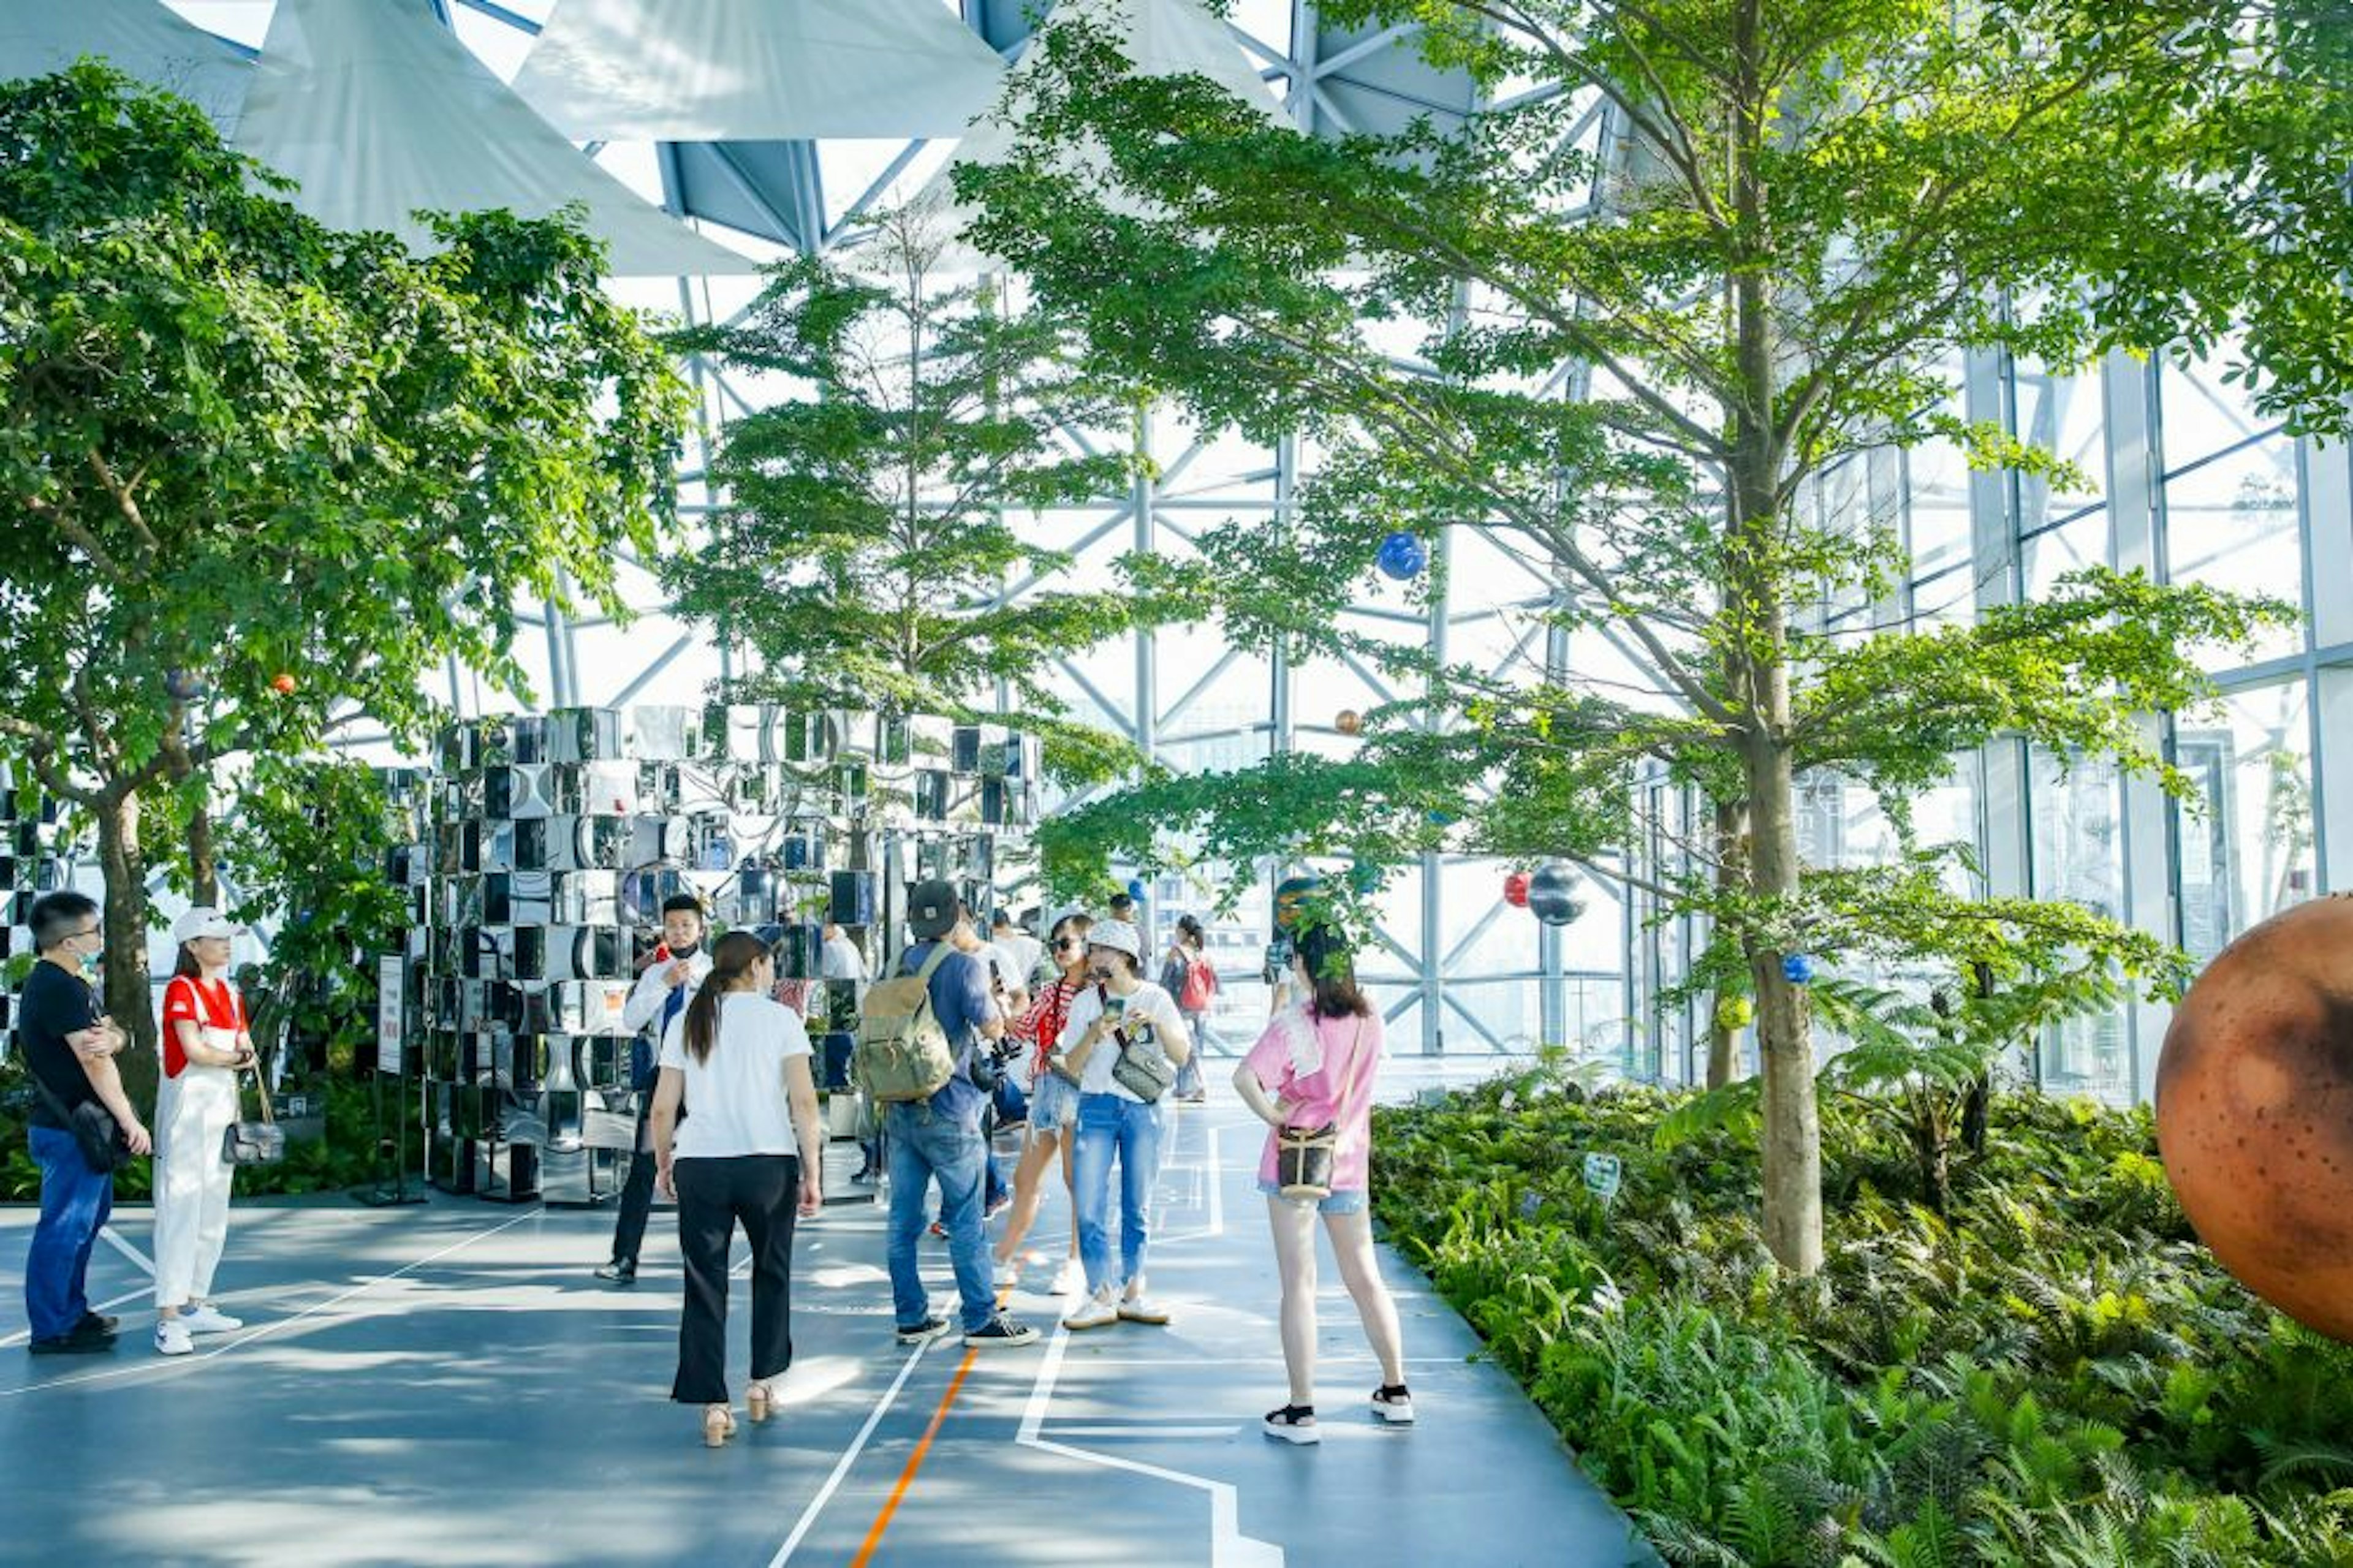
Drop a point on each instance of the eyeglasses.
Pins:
(86, 930)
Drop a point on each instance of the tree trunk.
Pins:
(1793, 1134)
(128, 993)
(204, 873)
(1731, 873)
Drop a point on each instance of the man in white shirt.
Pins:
(667, 985)
(839, 958)
(1016, 944)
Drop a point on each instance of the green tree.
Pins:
(263, 474)
(1810, 205)
(861, 548)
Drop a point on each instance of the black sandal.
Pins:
(1393, 1404)
(1293, 1423)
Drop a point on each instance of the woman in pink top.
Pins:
(1314, 1065)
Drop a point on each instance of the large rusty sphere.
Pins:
(2254, 1112)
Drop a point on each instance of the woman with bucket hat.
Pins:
(1121, 1044)
(206, 1044)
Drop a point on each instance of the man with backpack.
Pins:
(922, 1034)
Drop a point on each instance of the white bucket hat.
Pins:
(1117, 936)
(202, 921)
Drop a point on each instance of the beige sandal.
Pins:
(718, 1425)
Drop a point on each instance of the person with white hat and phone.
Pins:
(206, 1044)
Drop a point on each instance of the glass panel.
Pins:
(2048, 556)
(2061, 415)
(2247, 851)
(2231, 524)
(2079, 856)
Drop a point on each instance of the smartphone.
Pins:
(1114, 1007)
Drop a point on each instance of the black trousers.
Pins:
(636, 1192)
(759, 1192)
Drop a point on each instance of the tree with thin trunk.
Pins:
(263, 476)
(1792, 216)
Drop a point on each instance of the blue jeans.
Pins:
(925, 1147)
(75, 1201)
(1109, 1124)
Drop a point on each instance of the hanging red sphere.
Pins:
(1515, 889)
(283, 684)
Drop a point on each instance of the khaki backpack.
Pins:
(903, 1054)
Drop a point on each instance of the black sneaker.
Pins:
(97, 1323)
(925, 1332)
(621, 1271)
(1000, 1331)
(72, 1344)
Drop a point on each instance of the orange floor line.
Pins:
(914, 1463)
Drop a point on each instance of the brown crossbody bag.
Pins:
(1305, 1157)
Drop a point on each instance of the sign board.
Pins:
(391, 984)
(1601, 1173)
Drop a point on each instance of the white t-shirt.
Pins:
(735, 1100)
(842, 960)
(1149, 1008)
(1024, 949)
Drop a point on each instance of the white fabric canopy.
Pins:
(757, 70)
(140, 38)
(379, 110)
(1163, 38)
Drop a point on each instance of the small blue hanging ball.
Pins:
(1798, 969)
(1402, 556)
(1136, 889)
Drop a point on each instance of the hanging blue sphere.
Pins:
(1136, 889)
(1402, 556)
(1798, 969)
(1364, 876)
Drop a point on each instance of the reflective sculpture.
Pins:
(2254, 1112)
(1552, 894)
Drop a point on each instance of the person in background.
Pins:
(1189, 975)
(659, 997)
(1121, 908)
(1053, 1105)
(1314, 1067)
(748, 1155)
(1118, 1011)
(69, 1049)
(1024, 951)
(205, 1046)
(1009, 994)
(938, 1139)
(1284, 989)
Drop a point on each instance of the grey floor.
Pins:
(448, 1384)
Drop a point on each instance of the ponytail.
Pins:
(731, 959)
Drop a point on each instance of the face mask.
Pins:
(686, 952)
(89, 964)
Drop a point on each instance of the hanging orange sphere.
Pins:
(2254, 1112)
(283, 684)
(1349, 722)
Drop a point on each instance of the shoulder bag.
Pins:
(1142, 1067)
(93, 1128)
(259, 1143)
(1304, 1157)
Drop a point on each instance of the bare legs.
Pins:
(1027, 1176)
(1352, 1247)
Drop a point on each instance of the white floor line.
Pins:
(146, 1264)
(849, 1456)
(180, 1364)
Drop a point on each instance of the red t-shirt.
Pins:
(205, 1004)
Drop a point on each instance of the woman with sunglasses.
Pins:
(1118, 1014)
(1053, 1103)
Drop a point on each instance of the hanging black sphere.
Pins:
(1552, 894)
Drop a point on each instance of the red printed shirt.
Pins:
(208, 1005)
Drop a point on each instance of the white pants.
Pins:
(191, 1182)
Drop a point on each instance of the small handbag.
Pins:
(1142, 1067)
(253, 1142)
(93, 1128)
(1306, 1157)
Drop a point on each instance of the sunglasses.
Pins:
(1068, 943)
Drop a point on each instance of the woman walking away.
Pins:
(740, 1061)
(1192, 979)
(1121, 1041)
(1314, 1069)
(205, 1046)
(1053, 1104)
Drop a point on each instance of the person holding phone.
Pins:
(1118, 1012)
(663, 989)
(205, 1046)
(748, 1155)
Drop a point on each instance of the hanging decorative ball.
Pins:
(1136, 889)
(1798, 969)
(183, 685)
(1402, 556)
(283, 684)
(1735, 1013)
(2254, 1112)
(1349, 722)
(1363, 875)
(1515, 889)
(1292, 896)
(1552, 894)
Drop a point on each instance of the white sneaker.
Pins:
(1008, 1275)
(171, 1338)
(1071, 1278)
(1142, 1309)
(209, 1319)
(1096, 1311)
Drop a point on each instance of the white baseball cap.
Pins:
(202, 921)
(1117, 936)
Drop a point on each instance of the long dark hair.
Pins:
(187, 968)
(1189, 932)
(731, 960)
(1332, 964)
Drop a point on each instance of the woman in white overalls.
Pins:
(205, 1046)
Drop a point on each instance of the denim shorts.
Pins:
(1340, 1202)
(1053, 1103)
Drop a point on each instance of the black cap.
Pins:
(932, 909)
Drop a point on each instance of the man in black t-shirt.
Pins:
(70, 1046)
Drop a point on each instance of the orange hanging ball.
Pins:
(2254, 1112)
(1349, 722)
(283, 684)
